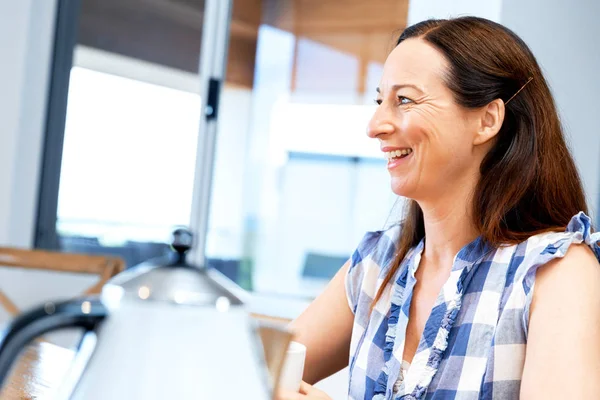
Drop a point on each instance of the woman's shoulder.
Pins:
(579, 230)
(566, 282)
(369, 264)
(378, 247)
(564, 249)
(544, 248)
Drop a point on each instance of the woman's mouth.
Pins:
(396, 157)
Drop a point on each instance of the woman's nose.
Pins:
(379, 126)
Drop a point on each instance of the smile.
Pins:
(392, 155)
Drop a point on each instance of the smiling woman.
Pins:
(442, 305)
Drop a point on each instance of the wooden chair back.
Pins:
(104, 266)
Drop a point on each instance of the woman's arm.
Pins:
(325, 329)
(563, 345)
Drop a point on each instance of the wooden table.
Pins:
(38, 372)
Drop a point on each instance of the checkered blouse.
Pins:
(473, 344)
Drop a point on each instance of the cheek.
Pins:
(441, 146)
(414, 129)
(430, 141)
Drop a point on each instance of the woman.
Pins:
(443, 306)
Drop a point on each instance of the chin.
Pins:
(402, 188)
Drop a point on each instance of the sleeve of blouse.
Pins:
(355, 275)
(578, 231)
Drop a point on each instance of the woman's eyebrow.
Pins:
(400, 86)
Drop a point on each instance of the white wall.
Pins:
(26, 36)
(420, 10)
(563, 36)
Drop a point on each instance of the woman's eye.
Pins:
(378, 101)
(404, 100)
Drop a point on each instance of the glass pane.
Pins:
(297, 182)
(128, 160)
(132, 127)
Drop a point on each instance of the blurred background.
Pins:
(102, 117)
(102, 114)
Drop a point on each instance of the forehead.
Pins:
(414, 61)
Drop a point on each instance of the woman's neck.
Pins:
(448, 227)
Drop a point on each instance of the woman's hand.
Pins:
(307, 392)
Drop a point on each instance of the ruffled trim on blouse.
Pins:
(579, 230)
(397, 300)
(462, 266)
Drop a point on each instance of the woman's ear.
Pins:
(492, 117)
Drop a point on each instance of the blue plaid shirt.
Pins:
(473, 345)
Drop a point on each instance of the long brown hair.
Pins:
(529, 183)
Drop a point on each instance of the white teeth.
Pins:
(397, 153)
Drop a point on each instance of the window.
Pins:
(128, 159)
(297, 182)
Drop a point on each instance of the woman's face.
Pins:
(427, 138)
